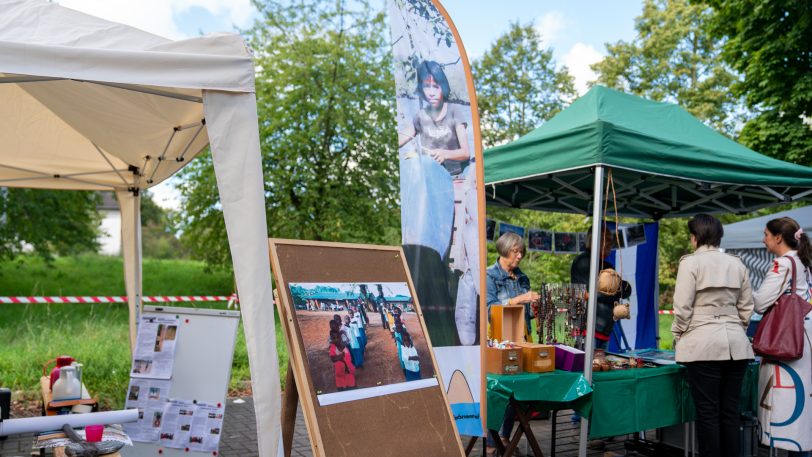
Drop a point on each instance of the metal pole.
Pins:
(138, 286)
(594, 259)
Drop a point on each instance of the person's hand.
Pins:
(527, 297)
(438, 155)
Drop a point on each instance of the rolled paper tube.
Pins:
(46, 423)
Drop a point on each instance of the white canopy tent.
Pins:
(95, 105)
(743, 239)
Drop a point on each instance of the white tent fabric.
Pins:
(748, 234)
(744, 240)
(91, 104)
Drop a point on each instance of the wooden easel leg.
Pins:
(289, 405)
(470, 446)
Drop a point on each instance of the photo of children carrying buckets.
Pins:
(360, 335)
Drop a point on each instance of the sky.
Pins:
(576, 30)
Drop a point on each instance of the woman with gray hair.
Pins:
(507, 285)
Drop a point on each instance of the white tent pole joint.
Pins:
(181, 158)
(594, 259)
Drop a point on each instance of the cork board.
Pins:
(405, 423)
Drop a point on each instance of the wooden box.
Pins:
(537, 358)
(503, 361)
(507, 323)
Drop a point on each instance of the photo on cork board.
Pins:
(361, 340)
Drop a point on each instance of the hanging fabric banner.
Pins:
(441, 195)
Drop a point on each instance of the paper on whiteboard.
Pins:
(177, 423)
(155, 347)
(207, 427)
(149, 397)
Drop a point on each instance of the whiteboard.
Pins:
(202, 370)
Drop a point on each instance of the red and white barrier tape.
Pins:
(98, 299)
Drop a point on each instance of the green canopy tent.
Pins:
(663, 161)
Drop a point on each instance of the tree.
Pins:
(518, 87)
(158, 237)
(325, 97)
(770, 45)
(674, 58)
(49, 221)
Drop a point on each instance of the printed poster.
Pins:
(440, 158)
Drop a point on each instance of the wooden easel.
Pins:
(290, 404)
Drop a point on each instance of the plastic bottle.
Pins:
(67, 387)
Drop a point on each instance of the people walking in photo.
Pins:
(342, 363)
(712, 308)
(785, 407)
(411, 360)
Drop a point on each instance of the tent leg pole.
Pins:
(139, 286)
(597, 235)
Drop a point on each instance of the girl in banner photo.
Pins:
(785, 404)
(440, 129)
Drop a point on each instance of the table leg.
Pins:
(497, 441)
(524, 425)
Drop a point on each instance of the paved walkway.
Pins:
(239, 437)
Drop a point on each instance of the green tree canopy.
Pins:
(674, 58)
(49, 221)
(518, 86)
(770, 45)
(325, 96)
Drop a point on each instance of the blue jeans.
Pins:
(507, 425)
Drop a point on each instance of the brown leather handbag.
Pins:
(780, 335)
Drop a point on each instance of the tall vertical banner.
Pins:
(441, 195)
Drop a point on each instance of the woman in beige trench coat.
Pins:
(712, 308)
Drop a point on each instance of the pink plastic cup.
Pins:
(93, 433)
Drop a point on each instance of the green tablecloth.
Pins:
(621, 401)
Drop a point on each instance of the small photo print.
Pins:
(133, 395)
(566, 243)
(618, 238)
(154, 393)
(156, 419)
(635, 234)
(142, 366)
(490, 229)
(539, 240)
(215, 431)
(505, 228)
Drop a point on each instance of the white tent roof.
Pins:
(90, 104)
(65, 111)
(748, 234)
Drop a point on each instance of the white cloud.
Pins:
(160, 16)
(550, 26)
(578, 59)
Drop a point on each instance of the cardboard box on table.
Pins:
(568, 358)
(507, 323)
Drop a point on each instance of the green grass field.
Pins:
(95, 334)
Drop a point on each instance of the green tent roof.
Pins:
(664, 162)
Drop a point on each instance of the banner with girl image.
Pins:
(442, 200)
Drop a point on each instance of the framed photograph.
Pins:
(539, 240)
(505, 228)
(565, 243)
(635, 234)
(361, 339)
(618, 239)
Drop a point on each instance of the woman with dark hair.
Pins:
(785, 409)
(438, 133)
(713, 303)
